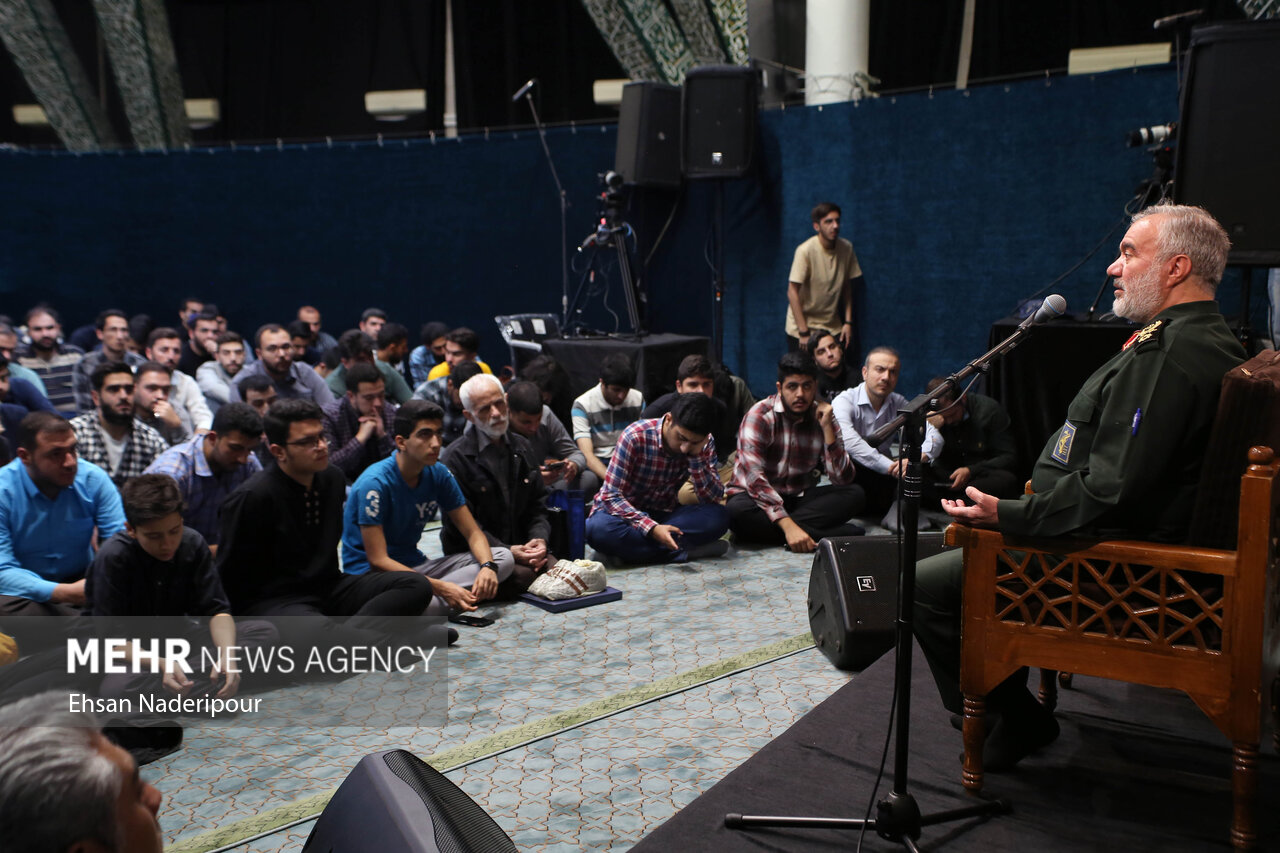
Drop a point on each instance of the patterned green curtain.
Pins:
(137, 36)
(41, 50)
(662, 39)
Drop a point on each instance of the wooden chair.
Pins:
(1194, 619)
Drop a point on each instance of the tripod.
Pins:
(898, 816)
(612, 231)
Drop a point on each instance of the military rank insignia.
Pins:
(1146, 333)
(1062, 447)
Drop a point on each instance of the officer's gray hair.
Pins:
(1192, 231)
(56, 788)
(471, 388)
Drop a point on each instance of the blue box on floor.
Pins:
(605, 595)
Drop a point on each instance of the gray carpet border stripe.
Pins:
(300, 811)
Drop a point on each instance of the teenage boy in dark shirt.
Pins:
(162, 571)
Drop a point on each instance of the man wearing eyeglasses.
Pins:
(112, 436)
(279, 550)
(275, 361)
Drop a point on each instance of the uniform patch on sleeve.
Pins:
(1062, 447)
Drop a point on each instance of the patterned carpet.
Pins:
(581, 730)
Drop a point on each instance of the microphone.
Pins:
(524, 90)
(1176, 20)
(1052, 306)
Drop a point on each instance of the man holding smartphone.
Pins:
(773, 496)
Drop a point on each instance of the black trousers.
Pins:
(357, 610)
(881, 490)
(819, 512)
(38, 625)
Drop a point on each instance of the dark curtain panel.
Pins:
(300, 68)
(499, 44)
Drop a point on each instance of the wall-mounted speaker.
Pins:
(719, 130)
(853, 595)
(394, 802)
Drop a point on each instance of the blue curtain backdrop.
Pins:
(959, 204)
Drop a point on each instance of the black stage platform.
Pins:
(1136, 769)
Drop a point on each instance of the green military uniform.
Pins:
(1124, 464)
(983, 443)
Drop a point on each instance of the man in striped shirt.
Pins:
(636, 516)
(774, 498)
(53, 361)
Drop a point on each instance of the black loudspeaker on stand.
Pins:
(717, 140)
(648, 151)
(394, 802)
(853, 590)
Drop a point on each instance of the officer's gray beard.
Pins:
(1141, 299)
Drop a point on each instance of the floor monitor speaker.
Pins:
(719, 129)
(395, 801)
(648, 152)
(1229, 123)
(853, 595)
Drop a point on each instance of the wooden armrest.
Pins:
(1207, 560)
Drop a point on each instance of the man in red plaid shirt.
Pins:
(773, 496)
(636, 516)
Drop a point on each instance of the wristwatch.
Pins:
(490, 564)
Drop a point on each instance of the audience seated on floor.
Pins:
(279, 551)
(300, 339)
(500, 479)
(371, 322)
(112, 329)
(8, 348)
(774, 496)
(636, 516)
(275, 361)
(865, 408)
(157, 567)
(215, 377)
(153, 403)
(388, 510)
(51, 505)
(602, 413)
(560, 461)
(356, 347)
(209, 467)
(428, 353)
(50, 359)
(199, 347)
(836, 374)
(695, 375)
(460, 345)
(978, 449)
(553, 381)
(164, 346)
(444, 393)
(112, 435)
(320, 339)
(360, 426)
(392, 349)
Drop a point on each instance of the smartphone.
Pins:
(553, 465)
(468, 619)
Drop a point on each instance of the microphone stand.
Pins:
(564, 206)
(898, 816)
